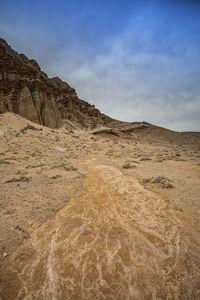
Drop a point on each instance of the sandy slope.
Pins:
(115, 240)
(56, 163)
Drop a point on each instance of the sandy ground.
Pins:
(41, 169)
(113, 240)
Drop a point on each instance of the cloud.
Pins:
(148, 70)
(136, 84)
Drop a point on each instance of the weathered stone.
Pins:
(115, 240)
(28, 91)
(26, 107)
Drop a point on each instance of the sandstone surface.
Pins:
(114, 240)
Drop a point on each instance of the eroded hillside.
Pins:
(26, 90)
(123, 210)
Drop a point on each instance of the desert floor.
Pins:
(42, 168)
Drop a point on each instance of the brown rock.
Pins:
(115, 240)
(26, 90)
(26, 106)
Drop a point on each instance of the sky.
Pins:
(134, 60)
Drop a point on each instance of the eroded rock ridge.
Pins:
(26, 90)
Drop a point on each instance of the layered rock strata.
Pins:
(27, 91)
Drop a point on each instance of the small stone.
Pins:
(5, 254)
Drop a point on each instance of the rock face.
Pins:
(27, 91)
(115, 240)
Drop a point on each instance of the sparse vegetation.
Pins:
(159, 159)
(6, 162)
(35, 166)
(179, 159)
(69, 167)
(109, 152)
(145, 158)
(10, 158)
(20, 179)
(177, 154)
(28, 127)
(36, 153)
(160, 180)
(21, 172)
(128, 165)
(56, 177)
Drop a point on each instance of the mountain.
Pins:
(105, 210)
(26, 90)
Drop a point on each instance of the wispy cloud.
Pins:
(137, 84)
(148, 70)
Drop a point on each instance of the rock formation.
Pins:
(115, 240)
(27, 91)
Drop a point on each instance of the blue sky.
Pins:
(135, 60)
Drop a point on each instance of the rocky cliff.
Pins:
(26, 90)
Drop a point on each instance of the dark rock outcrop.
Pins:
(27, 91)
